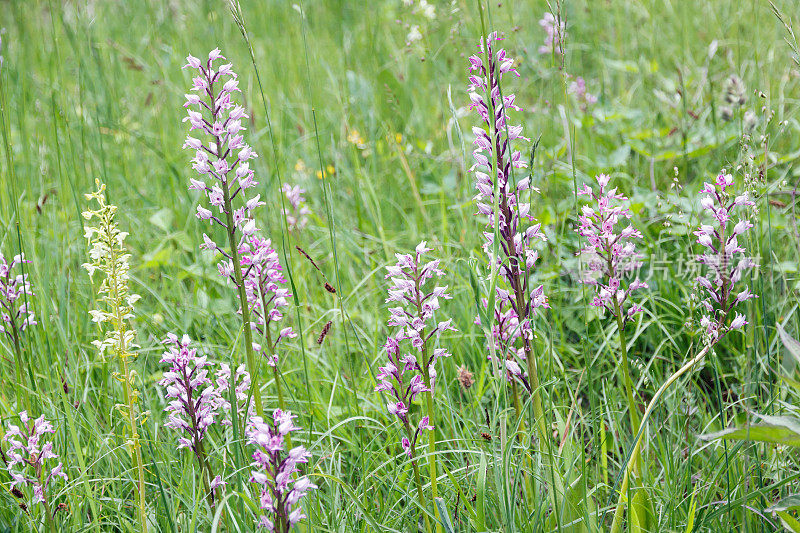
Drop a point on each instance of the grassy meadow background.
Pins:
(94, 89)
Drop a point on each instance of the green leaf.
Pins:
(643, 518)
(789, 503)
(480, 506)
(775, 429)
(790, 343)
(789, 522)
(162, 219)
(572, 514)
(692, 512)
(444, 515)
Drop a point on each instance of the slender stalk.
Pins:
(4, 127)
(239, 280)
(22, 391)
(49, 517)
(626, 377)
(430, 412)
(517, 404)
(275, 371)
(136, 452)
(417, 477)
(206, 474)
(538, 407)
(432, 458)
(130, 394)
(199, 449)
(541, 427)
(616, 524)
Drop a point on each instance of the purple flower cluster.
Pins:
(223, 158)
(27, 454)
(297, 216)
(516, 228)
(263, 280)
(415, 323)
(577, 88)
(275, 471)
(609, 252)
(556, 32)
(15, 315)
(193, 399)
(241, 389)
(724, 257)
(506, 332)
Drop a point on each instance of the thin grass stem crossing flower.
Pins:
(499, 195)
(109, 256)
(266, 295)
(555, 31)
(505, 334)
(275, 471)
(511, 231)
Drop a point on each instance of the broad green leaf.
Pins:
(480, 506)
(162, 219)
(789, 522)
(790, 343)
(573, 516)
(444, 515)
(643, 519)
(789, 503)
(775, 429)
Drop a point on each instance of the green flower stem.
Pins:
(130, 393)
(423, 355)
(136, 452)
(417, 477)
(626, 378)
(276, 373)
(51, 525)
(548, 457)
(616, 524)
(541, 426)
(22, 392)
(239, 280)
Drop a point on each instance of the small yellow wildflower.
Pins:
(329, 171)
(355, 138)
